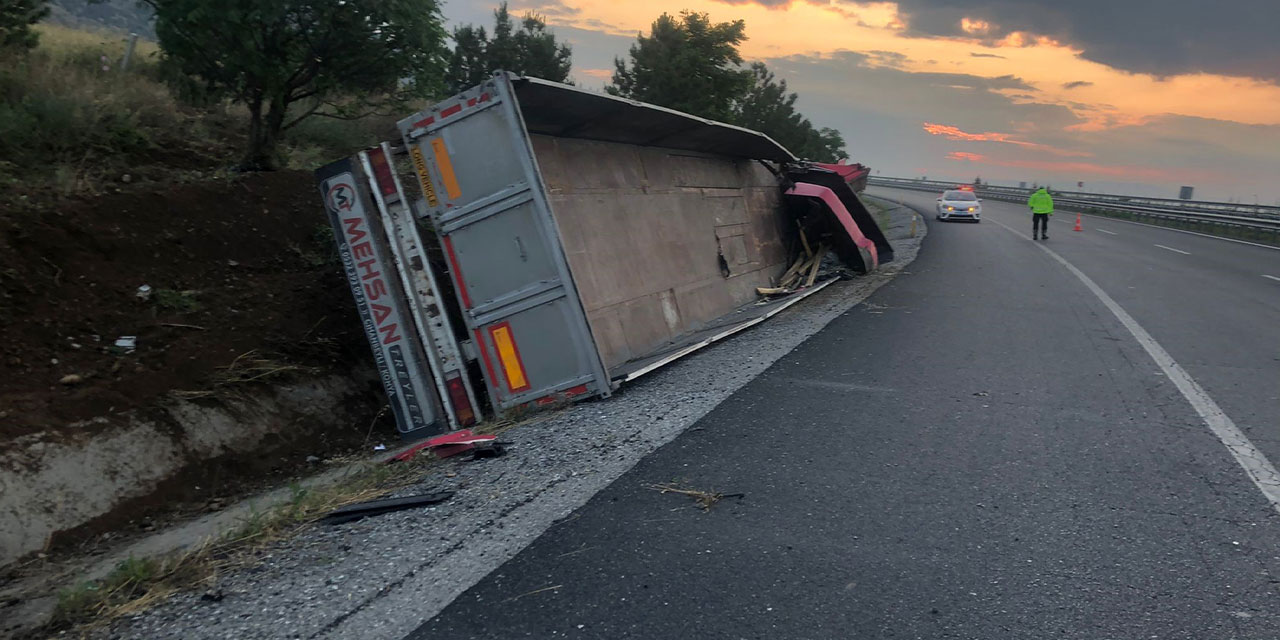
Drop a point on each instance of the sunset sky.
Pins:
(1136, 96)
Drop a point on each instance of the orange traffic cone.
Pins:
(1078, 227)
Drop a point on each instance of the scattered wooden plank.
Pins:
(817, 265)
(177, 325)
(792, 271)
(804, 240)
(773, 291)
(798, 278)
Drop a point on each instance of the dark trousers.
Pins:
(1039, 224)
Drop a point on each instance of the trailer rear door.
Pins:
(485, 196)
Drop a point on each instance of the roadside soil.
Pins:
(237, 268)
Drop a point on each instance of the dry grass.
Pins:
(67, 43)
(703, 499)
(139, 583)
(248, 367)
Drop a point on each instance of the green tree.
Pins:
(16, 18)
(687, 64)
(529, 50)
(288, 60)
(540, 54)
(768, 107)
(822, 145)
(468, 64)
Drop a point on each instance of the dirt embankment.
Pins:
(240, 271)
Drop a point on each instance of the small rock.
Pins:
(212, 595)
(71, 379)
(232, 263)
(126, 178)
(312, 459)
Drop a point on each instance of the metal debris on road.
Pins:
(449, 444)
(385, 505)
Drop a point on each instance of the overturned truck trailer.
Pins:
(528, 242)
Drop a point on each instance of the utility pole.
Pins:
(128, 52)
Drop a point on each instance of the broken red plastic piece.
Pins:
(449, 444)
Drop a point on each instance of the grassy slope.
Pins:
(73, 123)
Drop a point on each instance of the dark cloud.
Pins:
(1077, 84)
(986, 55)
(887, 58)
(870, 59)
(1161, 37)
(973, 102)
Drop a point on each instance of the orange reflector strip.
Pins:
(509, 356)
(424, 179)
(445, 165)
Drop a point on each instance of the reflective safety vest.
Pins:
(1040, 202)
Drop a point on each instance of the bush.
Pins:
(58, 104)
(318, 141)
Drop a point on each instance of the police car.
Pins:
(960, 204)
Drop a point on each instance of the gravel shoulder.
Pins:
(384, 576)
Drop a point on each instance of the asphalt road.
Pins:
(982, 450)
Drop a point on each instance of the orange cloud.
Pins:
(955, 133)
(975, 27)
(965, 156)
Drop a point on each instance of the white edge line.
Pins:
(726, 333)
(1110, 232)
(1174, 250)
(1272, 277)
(1254, 463)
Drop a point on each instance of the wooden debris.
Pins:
(817, 265)
(792, 272)
(804, 240)
(802, 273)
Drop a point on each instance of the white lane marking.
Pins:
(1255, 464)
(1110, 232)
(1272, 277)
(1174, 250)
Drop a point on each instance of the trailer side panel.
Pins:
(661, 242)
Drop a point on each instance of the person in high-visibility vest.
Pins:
(1041, 204)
